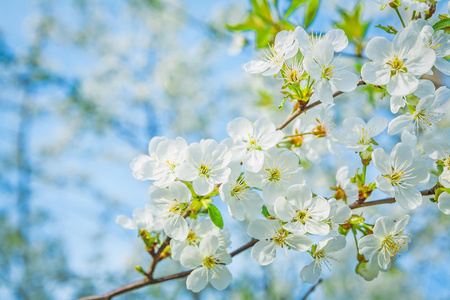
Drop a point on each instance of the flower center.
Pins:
(175, 208)
(391, 245)
(280, 238)
(274, 175)
(273, 56)
(301, 216)
(327, 72)
(446, 162)
(204, 171)
(192, 238)
(397, 65)
(239, 188)
(252, 144)
(395, 177)
(171, 165)
(209, 262)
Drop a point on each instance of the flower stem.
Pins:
(400, 16)
(356, 240)
(364, 174)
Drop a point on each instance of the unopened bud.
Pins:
(140, 270)
(195, 205)
(366, 273)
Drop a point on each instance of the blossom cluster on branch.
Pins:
(258, 171)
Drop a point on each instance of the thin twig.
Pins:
(358, 203)
(312, 289)
(138, 284)
(299, 110)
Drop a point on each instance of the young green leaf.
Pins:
(215, 216)
(294, 5)
(311, 11)
(442, 24)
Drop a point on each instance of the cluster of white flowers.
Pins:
(319, 73)
(258, 171)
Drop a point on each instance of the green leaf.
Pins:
(215, 215)
(294, 5)
(253, 22)
(388, 29)
(265, 212)
(262, 9)
(442, 24)
(353, 26)
(311, 11)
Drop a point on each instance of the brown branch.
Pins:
(301, 110)
(359, 203)
(312, 289)
(148, 281)
(244, 247)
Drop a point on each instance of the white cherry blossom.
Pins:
(386, 242)
(425, 88)
(249, 141)
(197, 232)
(142, 164)
(271, 237)
(321, 254)
(238, 195)
(302, 213)
(345, 189)
(285, 47)
(401, 173)
(427, 113)
(147, 218)
(323, 68)
(397, 64)
(339, 213)
(308, 43)
(206, 165)
(173, 201)
(439, 149)
(416, 5)
(281, 169)
(438, 41)
(208, 264)
(357, 135)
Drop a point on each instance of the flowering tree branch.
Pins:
(362, 203)
(304, 109)
(150, 280)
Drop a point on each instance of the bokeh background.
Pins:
(84, 86)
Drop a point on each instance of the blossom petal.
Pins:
(203, 186)
(444, 203)
(197, 280)
(221, 277)
(375, 73)
(264, 252)
(408, 198)
(402, 84)
(299, 242)
(378, 48)
(311, 272)
(400, 123)
(240, 128)
(125, 222)
(337, 38)
(323, 89)
(383, 227)
(191, 257)
(256, 66)
(381, 161)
